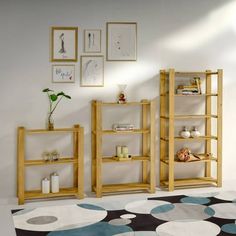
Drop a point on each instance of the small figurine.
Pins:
(55, 155)
(121, 95)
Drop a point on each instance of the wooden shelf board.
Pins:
(190, 116)
(191, 139)
(135, 131)
(125, 104)
(63, 192)
(63, 160)
(194, 73)
(192, 181)
(166, 161)
(134, 158)
(192, 95)
(124, 187)
(42, 131)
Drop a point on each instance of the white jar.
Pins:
(195, 133)
(45, 186)
(55, 183)
(185, 133)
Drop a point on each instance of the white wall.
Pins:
(184, 34)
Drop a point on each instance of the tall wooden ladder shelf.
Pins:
(167, 129)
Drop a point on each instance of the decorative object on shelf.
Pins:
(63, 73)
(125, 151)
(194, 88)
(119, 151)
(54, 100)
(121, 41)
(55, 155)
(92, 40)
(122, 94)
(46, 156)
(184, 154)
(55, 183)
(64, 44)
(195, 133)
(92, 71)
(185, 132)
(45, 186)
(123, 127)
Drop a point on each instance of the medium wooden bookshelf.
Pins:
(168, 139)
(147, 156)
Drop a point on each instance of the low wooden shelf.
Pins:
(77, 162)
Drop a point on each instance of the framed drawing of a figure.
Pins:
(64, 44)
(91, 71)
(121, 41)
(92, 40)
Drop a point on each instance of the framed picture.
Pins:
(121, 41)
(92, 71)
(63, 73)
(64, 43)
(92, 41)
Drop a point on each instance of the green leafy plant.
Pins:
(54, 100)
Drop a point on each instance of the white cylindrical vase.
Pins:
(45, 186)
(55, 183)
(125, 151)
(119, 151)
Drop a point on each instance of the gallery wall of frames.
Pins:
(121, 45)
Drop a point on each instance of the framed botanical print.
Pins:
(121, 41)
(92, 40)
(63, 73)
(64, 44)
(92, 71)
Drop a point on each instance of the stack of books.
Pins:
(123, 127)
(194, 88)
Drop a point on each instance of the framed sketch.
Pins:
(92, 71)
(64, 43)
(92, 41)
(121, 41)
(63, 73)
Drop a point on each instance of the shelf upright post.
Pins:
(80, 164)
(208, 111)
(99, 149)
(93, 142)
(153, 106)
(219, 127)
(171, 128)
(76, 155)
(145, 139)
(21, 166)
(162, 124)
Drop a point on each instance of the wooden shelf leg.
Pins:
(144, 141)
(152, 146)
(219, 129)
(93, 146)
(171, 128)
(21, 171)
(208, 122)
(80, 134)
(76, 155)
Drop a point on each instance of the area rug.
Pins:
(208, 214)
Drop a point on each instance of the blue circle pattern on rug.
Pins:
(163, 208)
(100, 228)
(195, 200)
(229, 228)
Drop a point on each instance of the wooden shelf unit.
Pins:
(77, 162)
(148, 134)
(167, 129)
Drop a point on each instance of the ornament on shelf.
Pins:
(45, 186)
(46, 156)
(122, 153)
(195, 133)
(55, 183)
(55, 155)
(185, 155)
(122, 95)
(185, 132)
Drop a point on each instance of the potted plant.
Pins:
(54, 100)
